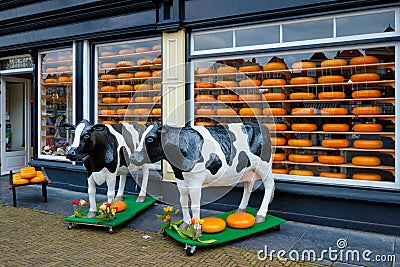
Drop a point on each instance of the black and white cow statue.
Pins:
(211, 156)
(105, 151)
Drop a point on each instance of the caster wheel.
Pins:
(164, 233)
(277, 228)
(110, 230)
(70, 226)
(190, 250)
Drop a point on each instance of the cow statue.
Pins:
(211, 156)
(105, 151)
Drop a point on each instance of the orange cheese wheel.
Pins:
(331, 159)
(300, 142)
(278, 141)
(125, 99)
(143, 99)
(20, 181)
(365, 77)
(142, 49)
(203, 123)
(249, 83)
(107, 54)
(204, 85)
(109, 100)
(64, 79)
(276, 126)
(125, 75)
(366, 94)
(125, 51)
(367, 176)
(368, 144)
(205, 98)
(303, 111)
(240, 220)
(157, 60)
(273, 82)
(213, 225)
(331, 79)
(333, 62)
(227, 69)
(50, 80)
(141, 111)
(278, 156)
(274, 66)
(250, 111)
(144, 61)
(337, 175)
(226, 84)
(301, 172)
(366, 161)
(125, 87)
(334, 111)
(367, 127)
(142, 74)
(205, 111)
(274, 111)
(302, 80)
(204, 71)
(27, 172)
(125, 63)
(157, 99)
(50, 59)
(227, 98)
(280, 171)
(274, 96)
(157, 86)
(331, 95)
(249, 97)
(300, 158)
(302, 96)
(62, 68)
(249, 68)
(156, 111)
(37, 179)
(109, 122)
(304, 127)
(366, 111)
(156, 73)
(227, 112)
(335, 143)
(303, 65)
(364, 60)
(108, 76)
(142, 87)
(336, 127)
(119, 205)
(156, 47)
(124, 111)
(108, 112)
(108, 89)
(51, 70)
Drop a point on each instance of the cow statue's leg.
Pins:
(184, 200)
(250, 179)
(143, 188)
(111, 180)
(264, 169)
(92, 198)
(121, 187)
(195, 197)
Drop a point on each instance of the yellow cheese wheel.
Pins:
(157, 86)
(20, 181)
(302, 96)
(366, 111)
(204, 71)
(331, 159)
(125, 63)
(144, 62)
(205, 111)
(249, 97)
(27, 172)
(304, 65)
(205, 98)
(276, 126)
(125, 99)
(226, 84)
(227, 69)
(119, 205)
(62, 68)
(51, 70)
(366, 94)
(367, 127)
(280, 171)
(204, 85)
(331, 95)
(142, 87)
(142, 49)
(142, 74)
(303, 111)
(227, 98)
(365, 77)
(300, 142)
(108, 89)
(213, 225)
(249, 83)
(157, 60)
(366, 161)
(64, 79)
(38, 179)
(108, 112)
(273, 82)
(274, 111)
(250, 68)
(125, 75)
(300, 158)
(50, 59)
(337, 175)
(301, 172)
(125, 51)
(142, 111)
(278, 156)
(50, 80)
(227, 112)
(368, 144)
(109, 100)
(156, 73)
(124, 111)
(302, 80)
(304, 127)
(278, 141)
(125, 87)
(367, 176)
(240, 220)
(333, 62)
(334, 111)
(274, 96)
(107, 54)
(274, 66)
(108, 76)
(156, 111)
(364, 60)
(331, 79)
(335, 143)
(250, 111)
(156, 47)
(143, 99)
(336, 127)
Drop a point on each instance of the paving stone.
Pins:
(324, 233)
(371, 241)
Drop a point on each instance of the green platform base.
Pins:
(229, 234)
(132, 208)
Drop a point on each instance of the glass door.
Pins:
(15, 123)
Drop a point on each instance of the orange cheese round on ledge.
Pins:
(157, 60)
(335, 143)
(124, 111)
(366, 111)
(304, 127)
(274, 96)
(204, 85)
(278, 141)
(240, 220)
(274, 66)
(364, 60)
(331, 159)
(250, 111)
(278, 156)
(109, 100)
(50, 80)
(125, 87)
(302, 80)
(62, 68)
(108, 65)
(301, 172)
(273, 82)
(227, 69)
(227, 112)
(119, 205)
(337, 175)
(204, 71)
(156, 111)
(142, 74)
(280, 171)
(107, 54)
(336, 127)
(108, 76)
(303, 111)
(141, 111)
(50, 70)
(27, 172)
(366, 161)
(300, 142)
(156, 73)
(144, 61)
(249, 97)
(226, 84)
(249, 83)
(143, 99)
(250, 68)
(213, 225)
(108, 89)
(276, 126)
(333, 62)
(142, 49)
(304, 65)
(334, 111)
(331, 79)
(365, 77)
(142, 87)
(368, 144)
(205, 98)
(274, 111)
(302, 96)
(300, 158)
(125, 99)
(331, 95)
(205, 111)
(367, 127)
(125, 63)
(64, 79)
(366, 94)
(125, 51)
(227, 98)
(156, 47)
(108, 112)
(157, 86)
(367, 176)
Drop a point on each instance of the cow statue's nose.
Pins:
(137, 159)
(72, 154)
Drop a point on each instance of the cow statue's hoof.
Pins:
(260, 219)
(184, 226)
(198, 232)
(240, 210)
(120, 198)
(141, 199)
(91, 214)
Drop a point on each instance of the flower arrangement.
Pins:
(106, 211)
(79, 206)
(169, 213)
(61, 147)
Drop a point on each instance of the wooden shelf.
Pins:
(323, 132)
(130, 68)
(130, 92)
(130, 79)
(129, 104)
(382, 116)
(58, 62)
(153, 52)
(216, 102)
(382, 150)
(128, 116)
(345, 165)
(57, 84)
(57, 72)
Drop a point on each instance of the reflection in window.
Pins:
(365, 24)
(308, 30)
(213, 40)
(257, 36)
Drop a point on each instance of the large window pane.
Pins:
(213, 40)
(257, 36)
(308, 30)
(365, 24)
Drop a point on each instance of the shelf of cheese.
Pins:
(382, 100)
(381, 116)
(138, 54)
(130, 79)
(344, 165)
(383, 150)
(132, 68)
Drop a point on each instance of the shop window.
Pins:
(309, 30)
(257, 36)
(218, 40)
(331, 112)
(56, 102)
(129, 81)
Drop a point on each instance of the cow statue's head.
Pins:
(83, 142)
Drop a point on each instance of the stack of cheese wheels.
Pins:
(301, 172)
(337, 175)
(361, 60)
(371, 161)
(367, 176)
(366, 110)
(276, 126)
(302, 96)
(334, 111)
(249, 83)
(250, 68)
(300, 142)
(157, 99)
(366, 94)
(302, 80)
(304, 127)
(213, 225)
(273, 82)
(368, 144)
(303, 111)
(240, 220)
(303, 65)
(274, 66)
(335, 127)
(301, 158)
(250, 111)
(331, 95)
(330, 79)
(278, 141)
(365, 77)
(335, 143)
(367, 127)
(227, 69)
(278, 157)
(326, 159)
(227, 98)
(205, 98)
(280, 171)
(28, 175)
(333, 63)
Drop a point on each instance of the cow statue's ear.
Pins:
(68, 127)
(98, 127)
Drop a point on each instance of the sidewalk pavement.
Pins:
(35, 234)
